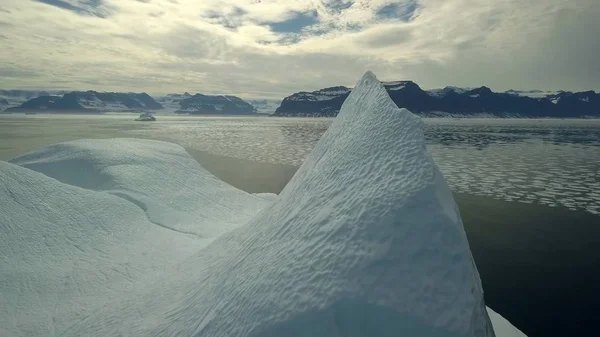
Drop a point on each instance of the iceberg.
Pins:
(160, 178)
(145, 117)
(133, 238)
(83, 223)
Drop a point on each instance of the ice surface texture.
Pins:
(161, 178)
(365, 240)
(105, 216)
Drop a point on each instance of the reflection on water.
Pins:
(552, 162)
(499, 132)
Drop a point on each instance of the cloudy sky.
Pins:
(272, 48)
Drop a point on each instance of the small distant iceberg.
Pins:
(145, 117)
(134, 238)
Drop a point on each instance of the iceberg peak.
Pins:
(365, 240)
(369, 76)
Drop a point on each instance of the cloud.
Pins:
(277, 47)
(84, 7)
(337, 6)
(399, 11)
(295, 23)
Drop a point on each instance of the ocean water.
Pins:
(549, 162)
(540, 265)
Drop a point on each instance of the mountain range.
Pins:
(98, 102)
(453, 102)
(88, 102)
(265, 106)
(200, 104)
(444, 102)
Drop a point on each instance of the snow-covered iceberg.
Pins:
(96, 220)
(133, 238)
(160, 178)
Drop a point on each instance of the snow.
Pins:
(133, 238)
(95, 103)
(393, 83)
(265, 106)
(532, 93)
(444, 91)
(92, 103)
(98, 219)
(393, 86)
(320, 95)
(162, 178)
(502, 327)
(171, 101)
(436, 92)
(333, 247)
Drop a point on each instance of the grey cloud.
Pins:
(231, 19)
(296, 23)
(82, 7)
(400, 11)
(564, 59)
(337, 6)
(498, 45)
(569, 53)
(127, 36)
(193, 43)
(386, 37)
(6, 71)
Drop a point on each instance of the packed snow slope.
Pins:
(160, 178)
(365, 240)
(99, 219)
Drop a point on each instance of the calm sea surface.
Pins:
(550, 162)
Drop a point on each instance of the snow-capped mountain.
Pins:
(320, 95)
(23, 95)
(446, 90)
(3, 104)
(531, 93)
(453, 101)
(90, 101)
(13, 98)
(265, 106)
(171, 102)
(325, 102)
(577, 100)
(200, 104)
